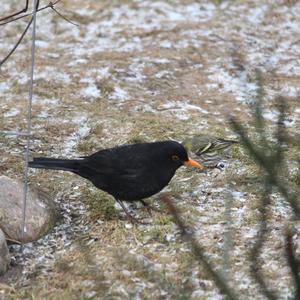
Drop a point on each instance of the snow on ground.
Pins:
(153, 69)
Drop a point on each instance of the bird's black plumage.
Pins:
(129, 172)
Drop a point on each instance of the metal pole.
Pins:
(29, 124)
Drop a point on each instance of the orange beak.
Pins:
(193, 163)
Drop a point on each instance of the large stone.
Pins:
(4, 254)
(40, 212)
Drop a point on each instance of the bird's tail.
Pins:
(71, 165)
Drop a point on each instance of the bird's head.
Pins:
(177, 156)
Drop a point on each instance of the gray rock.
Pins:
(40, 212)
(4, 254)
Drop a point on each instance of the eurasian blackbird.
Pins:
(209, 149)
(128, 172)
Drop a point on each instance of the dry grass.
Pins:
(116, 260)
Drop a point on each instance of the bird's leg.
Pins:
(147, 207)
(150, 207)
(131, 218)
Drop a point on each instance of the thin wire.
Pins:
(17, 133)
(29, 123)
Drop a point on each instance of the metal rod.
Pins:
(29, 123)
(18, 133)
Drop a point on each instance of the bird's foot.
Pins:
(149, 208)
(131, 218)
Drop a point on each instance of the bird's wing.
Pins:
(204, 148)
(113, 162)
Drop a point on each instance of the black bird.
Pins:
(128, 172)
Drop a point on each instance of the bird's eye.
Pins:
(175, 158)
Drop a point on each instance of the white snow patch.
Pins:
(255, 15)
(238, 214)
(146, 108)
(290, 91)
(83, 131)
(163, 73)
(49, 73)
(250, 233)
(271, 115)
(136, 71)
(160, 60)
(43, 114)
(4, 86)
(41, 44)
(166, 44)
(181, 109)
(104, 72)
(22, 78)
(90, 92)
(243, 90)
(119, 94)
(11, 113)
(238, 195)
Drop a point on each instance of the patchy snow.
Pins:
(184, 50)
(119, 94)
(257, 14)
(163, 73)
(243, 90)
(104, 72)
(91, 91)
(50, 73)
(82, 131)
(181, 109)
(271, 115)
(290, 91)
(4, 87)
(41, 44)
(11, 113)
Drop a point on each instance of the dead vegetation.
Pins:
(134, 72)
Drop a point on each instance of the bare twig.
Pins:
(36, 6)
(50, 4)
(267, 162)
(292, 261)
(271, 158)
(17, 13)
(8, 238)
(198, 251)
(63, 17)
(258, 115)
(256, 250)
(228, 238)
(17, 44)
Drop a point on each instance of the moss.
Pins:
(63, 265)
(97, 130)
(87, 146)
(100, 204)
(163, 220)
(158, 234)
(106, 87)
(136, 139)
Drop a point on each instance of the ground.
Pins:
(143, 71)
